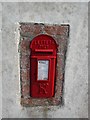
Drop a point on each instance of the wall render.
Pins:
(76, 69)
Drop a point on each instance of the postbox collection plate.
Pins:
(43, 67)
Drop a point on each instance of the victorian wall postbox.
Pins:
(42, 66)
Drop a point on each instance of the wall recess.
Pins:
(59, 34)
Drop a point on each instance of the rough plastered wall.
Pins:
(76, 69)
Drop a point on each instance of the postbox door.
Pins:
(43, 75)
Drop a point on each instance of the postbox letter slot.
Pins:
(44, 50)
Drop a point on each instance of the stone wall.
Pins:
(57, 33)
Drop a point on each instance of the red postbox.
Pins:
(42, 66)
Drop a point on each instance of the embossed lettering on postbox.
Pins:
(43, 64)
